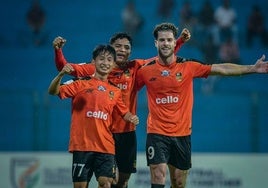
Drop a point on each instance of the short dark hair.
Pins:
(120, 35)
(165, 27)
(102, 48)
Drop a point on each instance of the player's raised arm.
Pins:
(184, 37)
(80, 70)
(60, 60)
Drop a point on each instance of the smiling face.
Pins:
(122, 48)
(104, 63)
(165, 44)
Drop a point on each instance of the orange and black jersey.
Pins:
(93, 103)
(123, 78)
(170, 94)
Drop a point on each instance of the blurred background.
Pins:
(230, 113)
(230, 116)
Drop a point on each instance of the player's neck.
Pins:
(100, 77)
(121, 65)
(166, 60)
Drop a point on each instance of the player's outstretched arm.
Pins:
(230, 69)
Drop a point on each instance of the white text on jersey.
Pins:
(97, 114)
(167, 100)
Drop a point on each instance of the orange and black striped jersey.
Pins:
(93, 102)
(170, 94)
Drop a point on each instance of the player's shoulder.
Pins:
(180, 59)
(188, 60)
(113, 85)
(75, 79)
(148, 63)
(114, 89)
(135, 63)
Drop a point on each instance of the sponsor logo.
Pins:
(97, 114)
(122, 86)
(101, 88)
(165, 73)
(167, 100)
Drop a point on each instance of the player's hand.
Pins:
(67, 69)
(134, 119)
(185, 35)
(261, 66)
(58, 42)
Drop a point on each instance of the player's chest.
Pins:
(97, 95)
(165, 78)
(123, 79)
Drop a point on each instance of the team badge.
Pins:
(179, 76)
(127, 73)
(165, 73)
(111, 95)
(101, 88)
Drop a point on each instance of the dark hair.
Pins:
(165, 27)
(121, 35)
(102, 49)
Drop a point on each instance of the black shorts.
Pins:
(126, 151)
(87, 163)
(175, 151)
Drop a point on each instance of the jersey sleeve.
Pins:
(179, 44)
(81, 70)
(120, 106)
(60, 60)
(139, 83)
(199, 70)
(69, 90)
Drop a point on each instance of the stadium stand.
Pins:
(233, 118)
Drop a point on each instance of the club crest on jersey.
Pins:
(111, 95)
(101, 88)
(127, 73)
(179, 76)
(165, 73)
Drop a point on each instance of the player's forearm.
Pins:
(60, 61)
(179, 43)
(230, 69)
(54, 86)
